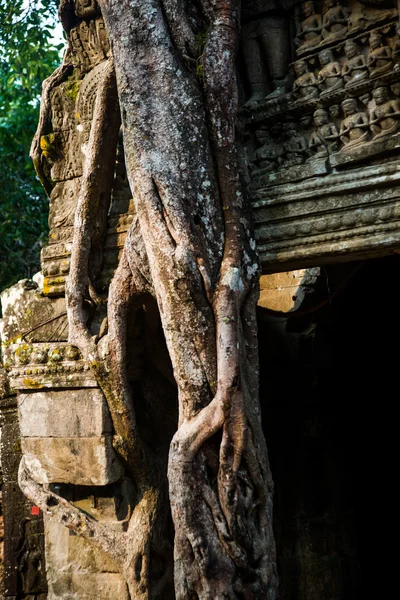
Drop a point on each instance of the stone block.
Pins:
(76, 568)
(79, 461)
(286, 291)
(88, 586)
(64, 413)
(65, 551)
(280, 291)
(26, 309)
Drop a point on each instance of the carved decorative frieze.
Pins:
(55, 365)
(343, 215)
(314, 150)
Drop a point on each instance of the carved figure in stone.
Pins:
(57, 153)
(305, 86)
(266, 157)
(362, 17)
(295, 149)
(330, 76)
(324, 139)
(275, 130)
(29, 557)
(306, 121)
(265, 47)
(334, 21)
(396, 48)
(86, 8)
(334, 111)
(384, 119)
(380, 56)
(355, 67)
(395, 89)
(354, 127)
(358, 18)
(365, 98)
(59, 149)
(87, 39)
(309, 31)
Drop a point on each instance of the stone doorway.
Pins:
(329, 382)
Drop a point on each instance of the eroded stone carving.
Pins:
(66, 431)
(334, 22)
(364, 15)
(266, 51)
(306, 83)
(310, 29)
(330, 76)
(295, 148)
(345, 104)
(324, 139)
(315, 152)
(396, 48)
(355, 67)
(354, 127)
(380, 56)
(267, 156)
(24, 575)
(384, 119)
(343, 65)
(60, 146)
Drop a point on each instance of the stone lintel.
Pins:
(341, 217)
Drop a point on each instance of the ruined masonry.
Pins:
(319, 129)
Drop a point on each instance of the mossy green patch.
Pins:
(32, 383)
(71, 88)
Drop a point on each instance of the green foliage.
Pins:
(27, 57)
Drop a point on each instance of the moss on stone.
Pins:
(71, 88)
(32, 383)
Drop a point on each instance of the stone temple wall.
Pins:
(320, 126)
(319, 130)
(57, 416)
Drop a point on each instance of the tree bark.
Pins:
(179, 136)
(191, 246)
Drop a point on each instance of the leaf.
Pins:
(27, 56)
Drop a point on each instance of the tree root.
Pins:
(133, 551)
(92, 205)
(146, 544)
(112, 542)
(219, 480)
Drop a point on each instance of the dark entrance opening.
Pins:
(329, 387)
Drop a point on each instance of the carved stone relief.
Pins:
(331, 66)
(265, 49)
(309, 31)
(62, 145)
(340, 115)
(62, 425)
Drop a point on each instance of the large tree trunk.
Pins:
(181, 158)
(193, 249)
